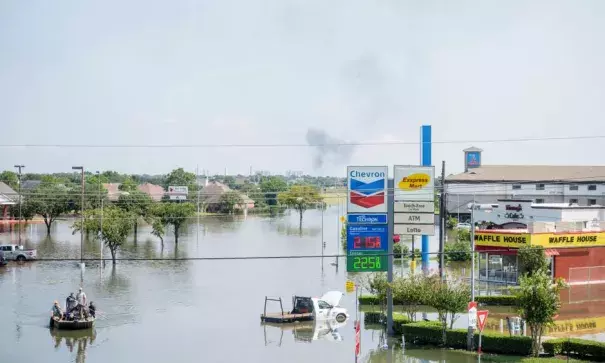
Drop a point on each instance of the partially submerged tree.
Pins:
(175, 214)
(301, 198)
(229, 201)
(49, 201)
(137, 204)
(538, 301)
(271, 187)
(158, 230)
(447, 298)
(115, 229)
(412, 291)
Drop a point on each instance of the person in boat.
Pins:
(70, 305)
(92, 309)
(57, 312)
(81, 297)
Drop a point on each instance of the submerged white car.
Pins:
(327, 307)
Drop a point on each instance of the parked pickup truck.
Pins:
(17, 253)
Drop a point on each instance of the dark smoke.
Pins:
(327, 148)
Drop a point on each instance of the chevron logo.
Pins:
(367, 195)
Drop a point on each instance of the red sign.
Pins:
(472, 304)
(482, 318)
(357, 338)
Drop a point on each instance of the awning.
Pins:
(551, 252)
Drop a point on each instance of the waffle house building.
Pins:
(576, 256)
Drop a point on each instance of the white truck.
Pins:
(17, 253)
(308, 308)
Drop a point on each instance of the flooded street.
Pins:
(187, 310)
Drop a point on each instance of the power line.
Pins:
(367, 143)
(240, 258)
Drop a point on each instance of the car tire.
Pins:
(20, 258)
(341, 318)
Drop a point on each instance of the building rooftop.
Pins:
(530, 174)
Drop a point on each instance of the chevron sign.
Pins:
(367, 189)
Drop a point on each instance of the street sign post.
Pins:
(472, 314)
(357, 338)
(481, 319)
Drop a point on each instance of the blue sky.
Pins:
(265, 72)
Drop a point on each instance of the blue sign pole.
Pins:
(425, 160)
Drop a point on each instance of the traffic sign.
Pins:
(482, 318)
(472, 314)
(350, 286)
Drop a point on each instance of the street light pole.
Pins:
(81, 168)
(19, 167)
(101, 203)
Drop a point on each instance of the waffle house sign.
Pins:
(546, 240)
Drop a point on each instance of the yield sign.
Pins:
(482, 318)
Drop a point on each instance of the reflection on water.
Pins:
(77, 340)
(306, 332)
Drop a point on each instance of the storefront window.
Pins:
(483, 266)
(498, 268)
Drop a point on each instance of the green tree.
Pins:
(174, 214)
(458, 251)
(229, 201)
(538, 300)
(157, 229)
(115, 229)
(10, 178)
(138, 204)
(128, 185)
(301, 198)
(446, 298)
(271, 187)
(532, 259)
(49, 201)
(180, 177)
(412, 291)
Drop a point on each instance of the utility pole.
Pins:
(471, 329)
(19, 167)
(391, 225)
(197, 182)
(81, 168)
(101, 203)
(442, 222)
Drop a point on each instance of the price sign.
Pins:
(365, 245)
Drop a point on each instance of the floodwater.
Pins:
(187, 310)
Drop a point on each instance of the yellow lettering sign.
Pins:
(414, 181)
(501, 239)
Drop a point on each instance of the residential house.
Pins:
(8, 197)
(156, 192)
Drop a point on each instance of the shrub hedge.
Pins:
(495, 300)
(430, 333)
(579, 348)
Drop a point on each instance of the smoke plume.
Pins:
(328, 148)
